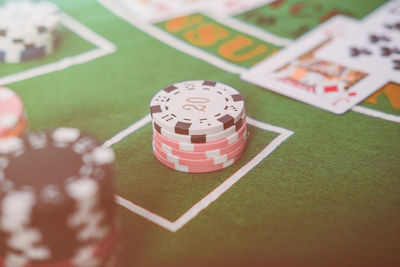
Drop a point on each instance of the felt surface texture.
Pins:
(327, 196)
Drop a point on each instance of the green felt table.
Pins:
(313, 189)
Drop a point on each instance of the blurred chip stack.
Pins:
(199, 126)
(13, 120)
(28, 30)
(57, 201)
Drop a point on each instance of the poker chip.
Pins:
(198, 126)
(204, 138)
(20, 129)
(195, 169)
(202, 154)
(204, 147)
(28, 30)
(57, 192)
(199, 162)
(13, 121)
(197, 107)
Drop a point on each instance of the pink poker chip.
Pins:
(201, 162)
(196, 169)
(201, 154)
(219, 144)
(11, 110)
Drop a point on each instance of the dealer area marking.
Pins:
(166, 38)
(250, 29)
(376, 114)
(172, 41)
(207, 200)
(194, 51)
(104, 47)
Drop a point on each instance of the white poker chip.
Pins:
(197, 107)
(204, 138)
(27, 30)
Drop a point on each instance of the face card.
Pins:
(372, 46)
(298, 73)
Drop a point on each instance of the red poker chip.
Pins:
(11, 111)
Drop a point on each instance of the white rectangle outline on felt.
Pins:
(192, 212)
(104, 47)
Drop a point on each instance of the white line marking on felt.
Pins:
(87, 33)
(376, 114)
(206, 201)
(250, 30)
(131, 129)
(167, 38)
(233, 179)
(129, 205)
(191, 50)
(104, 47)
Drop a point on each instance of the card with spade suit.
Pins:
(372, 46)
(298, 72)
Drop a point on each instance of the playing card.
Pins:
(298, 73)
(386, 18)
(372, 46)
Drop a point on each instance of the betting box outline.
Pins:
(103, 48)
(207, 200)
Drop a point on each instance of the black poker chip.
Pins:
(56, 191)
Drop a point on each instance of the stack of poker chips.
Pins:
(28, 30)
(13, 120)
(198, 126)
(57, 201)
